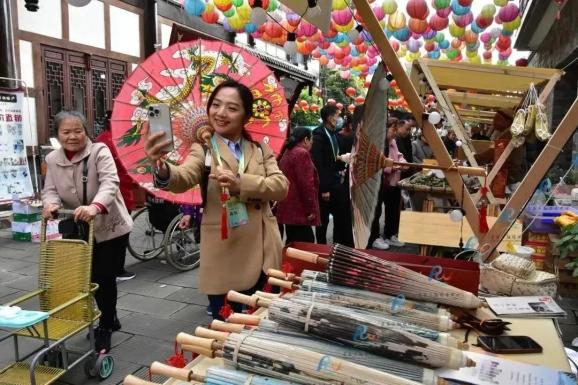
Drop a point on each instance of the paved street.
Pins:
(153, 308)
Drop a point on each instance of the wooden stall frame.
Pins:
(440, 152)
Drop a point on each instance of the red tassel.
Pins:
(226, 310)
(287, 267)
(484, 228)
(178, 359)
(224, 219)
(268, 288)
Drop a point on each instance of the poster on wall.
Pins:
(15, 179)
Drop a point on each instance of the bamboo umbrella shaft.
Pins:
(281, 283)
(133, 380)
(264, 294)
(178, 373)
(211, 334)
(187, 339)
(217, 325)
(282, 275)
(245, 319)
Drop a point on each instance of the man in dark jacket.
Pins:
(332, 198)
(403, 141)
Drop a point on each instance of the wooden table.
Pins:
(437, 229)
(541, 330)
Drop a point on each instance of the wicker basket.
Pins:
(410, 184)
(500, 282)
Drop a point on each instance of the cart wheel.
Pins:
(90, 365)
(104, 365)
(182, 249)
(144, 242)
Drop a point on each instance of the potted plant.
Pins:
(568, 246)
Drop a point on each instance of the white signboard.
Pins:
(15, 177)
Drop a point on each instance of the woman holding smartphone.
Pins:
(250, 172)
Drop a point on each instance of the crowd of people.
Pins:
(292, 195)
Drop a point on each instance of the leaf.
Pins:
(570, 265)
(572, 247)
(575, 272)
(567, 237)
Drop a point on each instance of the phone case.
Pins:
(484, 345)
(160, 120)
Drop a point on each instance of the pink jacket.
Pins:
(391, 176)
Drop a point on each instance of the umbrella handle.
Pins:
(306, 256)
(264, 294)
(187, 339)
(284, 284)
(281, 275)
(201, 351)
(170, 371)
(253, 300)
(220, 326)
(214, 335)
(132, 380)
(245, 319)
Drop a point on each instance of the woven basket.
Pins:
(499, 282)
(410, 184)
(512, 264)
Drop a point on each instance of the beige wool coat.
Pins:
(237, 262)
(63, 186)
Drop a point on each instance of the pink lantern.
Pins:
(485, 38)
(306, 29)
(417, 9)
(509, 12)
(379, 12)
(394, 45)
(339, 105)
(438, 23)
(330, 101)
(463, 20)
(351, 107)
(345, 74)
(331, 65)
(444, 12)
(342, 17)
(293, 19)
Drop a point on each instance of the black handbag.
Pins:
(69, 228)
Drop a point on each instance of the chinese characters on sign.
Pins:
(14, 172)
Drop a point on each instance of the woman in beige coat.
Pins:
(112, 223)
(250, 172)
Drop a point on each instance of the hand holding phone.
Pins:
(509, 344)
(160, 121)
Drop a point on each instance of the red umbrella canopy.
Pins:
(183, 76)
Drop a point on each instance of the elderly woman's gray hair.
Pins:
(63, 115)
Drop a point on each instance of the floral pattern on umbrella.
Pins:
(183, 76)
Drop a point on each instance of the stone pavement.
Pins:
(153, 308)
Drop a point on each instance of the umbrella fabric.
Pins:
(183, 76)
(364, 182)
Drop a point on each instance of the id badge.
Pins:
(237, 213)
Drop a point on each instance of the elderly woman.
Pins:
(250, 172)
(97, 199)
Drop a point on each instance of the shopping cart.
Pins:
(66, 298)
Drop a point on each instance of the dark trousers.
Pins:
(104, 269)
(340, 207)
(299, 233)
(121, 261)
(216, 301)
(391, 197)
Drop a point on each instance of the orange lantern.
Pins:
(393, 83)
(303, 103)
(359, 100)
(323, 60)
(314, 107)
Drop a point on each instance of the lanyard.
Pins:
(335, 151)
(241, 158)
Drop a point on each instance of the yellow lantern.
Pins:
(396, 21)
(344, 28)
(389, 6)
(455, 30)
(338, 5)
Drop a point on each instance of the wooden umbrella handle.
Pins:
(220, 326)
(213, 335)
(281, 275)
(306, 256)
(199, 350)
(253, 300)
(187, 339)
(170, 371)
(264, 294)
(132, 380)
(245, 319)
(281, 283)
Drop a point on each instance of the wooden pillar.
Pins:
(7, 55)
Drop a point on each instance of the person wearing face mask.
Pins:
(332, 197)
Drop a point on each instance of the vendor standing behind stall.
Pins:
(250, 172)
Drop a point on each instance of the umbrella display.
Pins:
(292, 363)
(393, 308)
(183, 76)
(354, 268)
(361, 330)
(402, 369)
(317, 281)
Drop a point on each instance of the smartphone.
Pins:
(160, 121)
(509, 344)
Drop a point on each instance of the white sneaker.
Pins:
(380, 244)
(393, 241)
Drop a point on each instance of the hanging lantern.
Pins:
(223, 5)
(396, 21)
(500, 3)
(417, 9)
(488, 11)
(350, 91)
(417, 25)
(323, 60)
(456, 31)
(440, 4)
(444, 12)
(444, 44)
(342, 17)
(465, 3)
(402, 34)
(344, 74)
(359, 99)
(210, 17)
(339, 106)
(194, 7)
(470, 37)
(338, 4)
(487, 55)
(438, 23)
(456, 43)
(509, 12)
(314, 107)
(458, 9)
(351, 108)
(303, 103)
(484, 22)
(463, 20)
